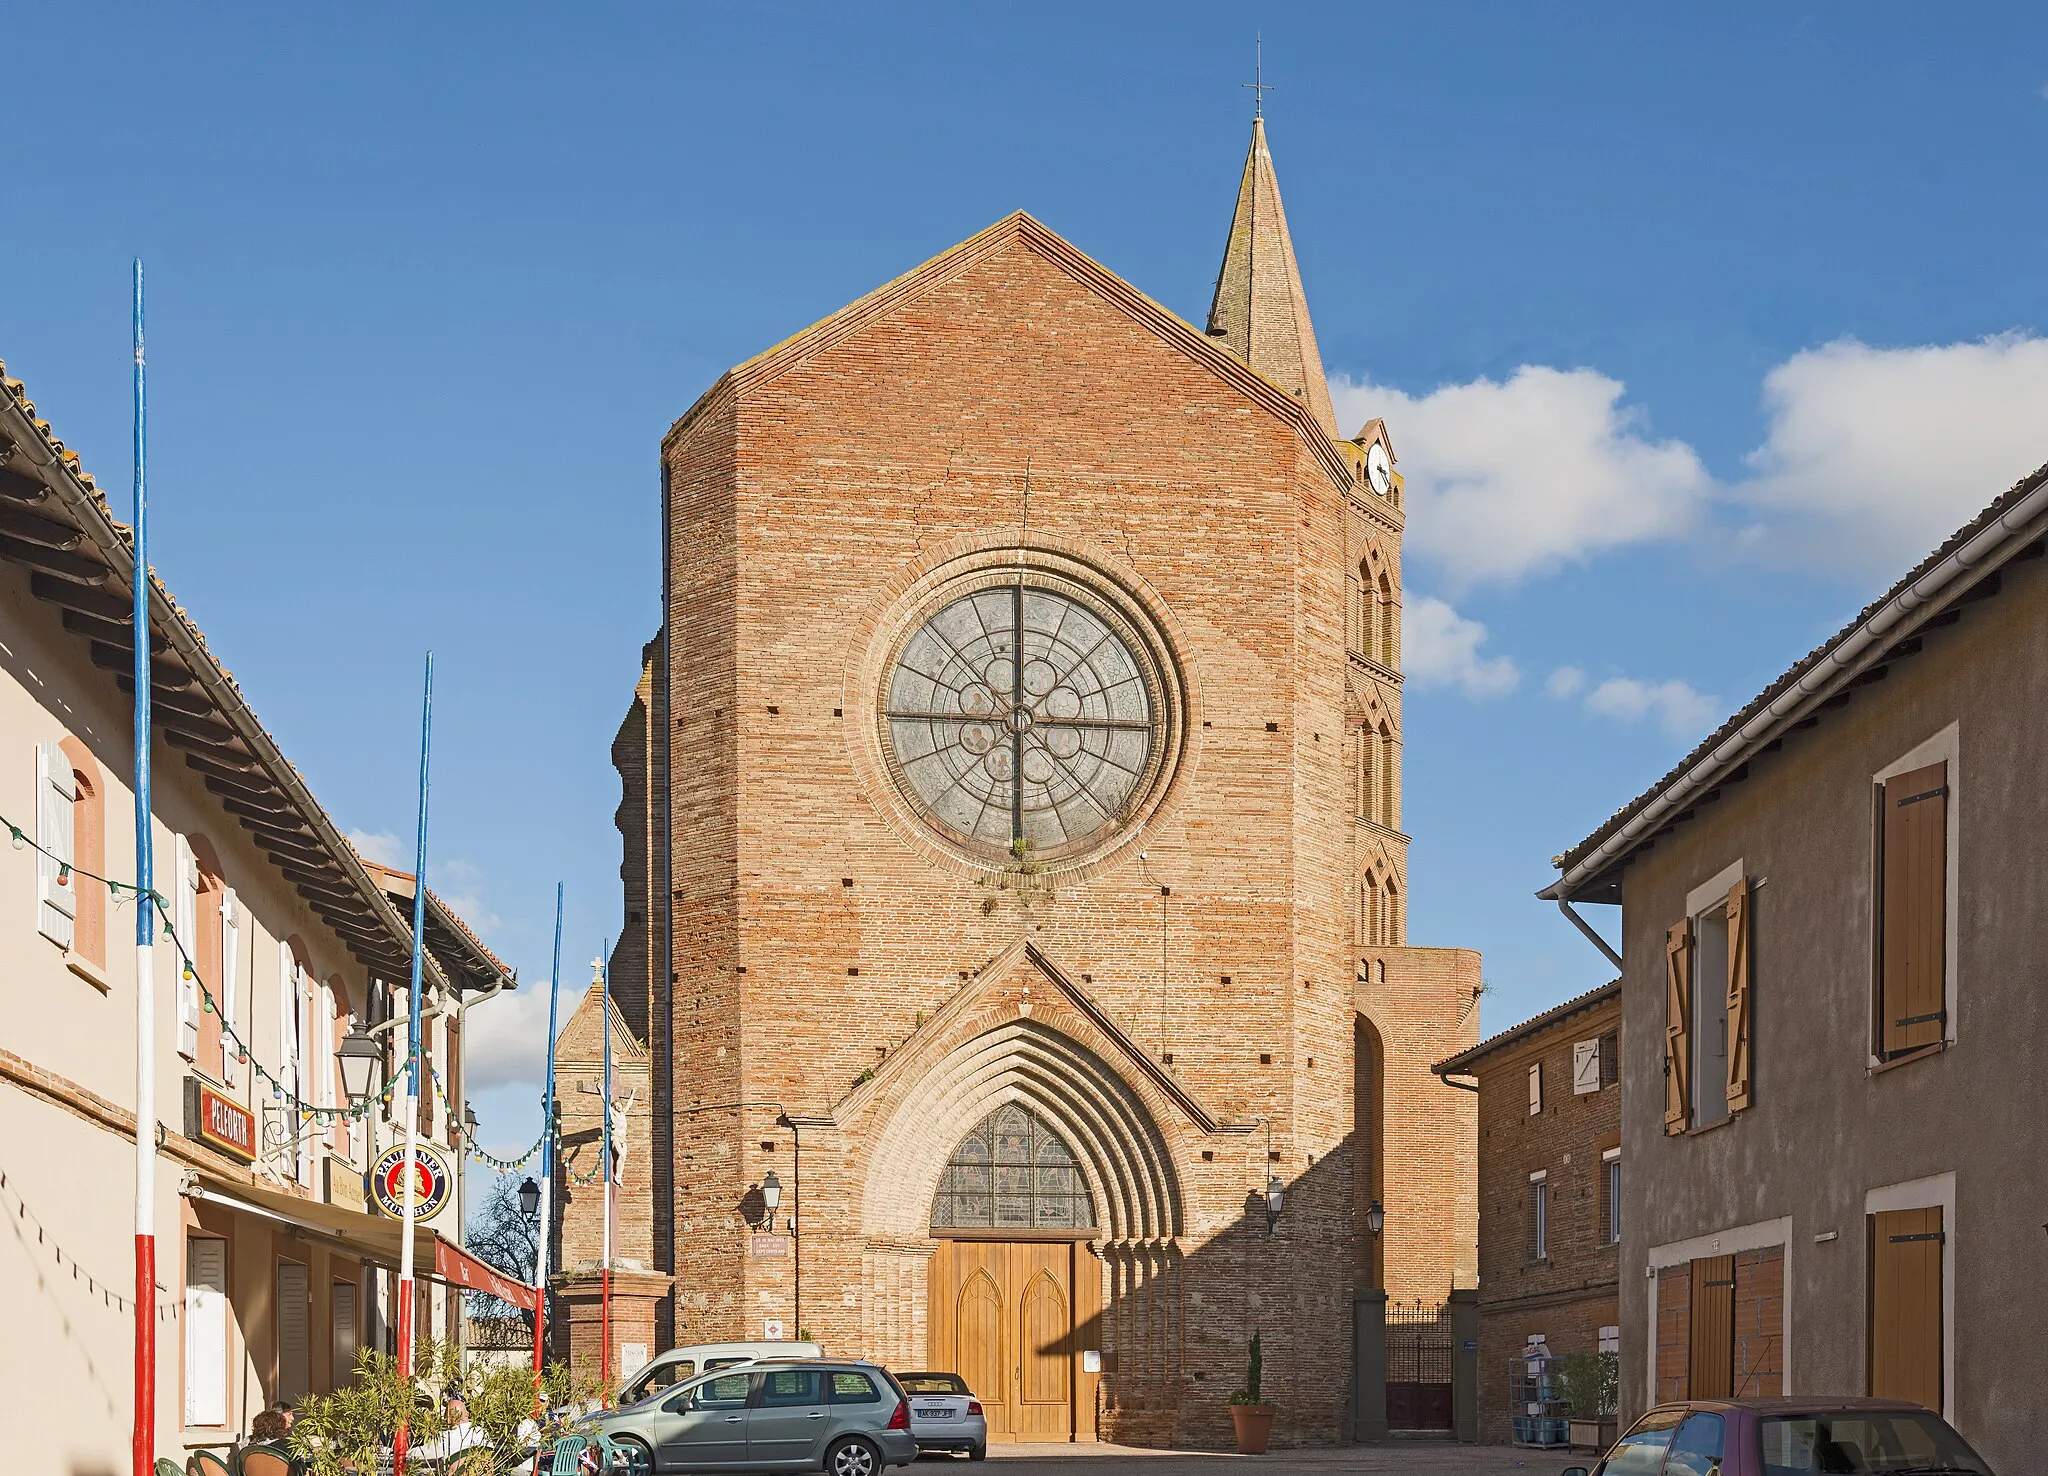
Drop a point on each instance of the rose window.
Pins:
(1019, 712)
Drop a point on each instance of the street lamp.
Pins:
(771, 1195)
(1375, 1217)
(529, 1199)
(360, 1055)
(468, 1123)
(1276, 1197)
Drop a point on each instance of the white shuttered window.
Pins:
(56, 885)
(294, 1296)
(230, 982)
(185, 922)
(206, 1331)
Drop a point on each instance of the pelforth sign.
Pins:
(212, 1119)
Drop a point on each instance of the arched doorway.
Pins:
(1013, 1278)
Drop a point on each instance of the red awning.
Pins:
(463, 1269)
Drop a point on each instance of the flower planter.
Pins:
(1595, 1435)
(1254, 1426)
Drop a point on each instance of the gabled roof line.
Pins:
(766, 366)
(1462, 1063)
(1969, 555)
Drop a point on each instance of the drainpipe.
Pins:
(1564, 905)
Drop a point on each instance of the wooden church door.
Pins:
(1002, 1317)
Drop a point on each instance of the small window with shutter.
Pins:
(1585, 1067)
(1539, 1216)
(56, 836)
(1535, 1088)
(1911, 834)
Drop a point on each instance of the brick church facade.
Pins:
(1013, 862)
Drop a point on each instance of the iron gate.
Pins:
(1418, 1366)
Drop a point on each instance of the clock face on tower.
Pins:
(1024, 710)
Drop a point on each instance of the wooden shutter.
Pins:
(1710, 1363)
(1905, 1305)
(452, 1055)
(56, 834)
(1913, 930)
(185, 924)
(206, 1331)
(293, 1350)
(1678, 1027)
(342, 1357)
(1739, 1013)
(230, 974)
(1535, 1088)
(1585, 1067)
(1674, 1331)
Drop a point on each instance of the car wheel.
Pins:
(977, 1452)
(634, 1459)
(853, 1457)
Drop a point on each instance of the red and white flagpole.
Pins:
(143, 1444)
(412, 1076)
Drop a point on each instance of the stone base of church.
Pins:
(635, 1297)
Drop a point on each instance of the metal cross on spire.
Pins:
(1258, 85)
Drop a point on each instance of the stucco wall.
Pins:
(1825, 1130)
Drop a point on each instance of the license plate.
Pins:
(940, 1413)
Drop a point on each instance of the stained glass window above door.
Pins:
(1012, 1172)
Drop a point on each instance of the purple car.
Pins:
(1789, 1437)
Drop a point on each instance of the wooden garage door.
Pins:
(1905, 1305)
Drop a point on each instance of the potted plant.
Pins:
(1588, 1383)
(1253, 1418)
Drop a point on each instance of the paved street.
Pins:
(1426, 1457)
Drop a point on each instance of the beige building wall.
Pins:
(67, 1069)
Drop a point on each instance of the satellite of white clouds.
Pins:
(1871, 458)
(1673, 705)
(1440, 648)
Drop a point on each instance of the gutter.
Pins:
(119, 553)
(1445, 1077)
(1878, 630)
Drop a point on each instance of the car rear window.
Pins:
(932, 1383)
(849, 1387)
(1875, 1442)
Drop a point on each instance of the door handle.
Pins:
(816, 1414)
(734, 1419)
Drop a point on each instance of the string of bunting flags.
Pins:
(123, 892)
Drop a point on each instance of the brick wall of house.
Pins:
(1572, 1293)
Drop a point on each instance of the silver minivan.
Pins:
(843, 1416)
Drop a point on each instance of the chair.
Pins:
(568, 1456)
(165, 1466)
(610, 1457)
(206, 1463)
(263, 1462)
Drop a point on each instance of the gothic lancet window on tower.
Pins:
(1012, 1172)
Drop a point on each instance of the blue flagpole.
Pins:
(412, 1078)
(143, 1443)
(547, 1159)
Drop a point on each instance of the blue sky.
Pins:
(1693, 330)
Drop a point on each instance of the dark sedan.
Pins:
(1789, 1437)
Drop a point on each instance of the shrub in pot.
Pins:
(1252, 1417)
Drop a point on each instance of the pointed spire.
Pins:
(1260, 312)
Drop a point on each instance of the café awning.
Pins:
(371, 1238)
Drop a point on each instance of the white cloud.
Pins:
(1875, 455)
(1440, 648)
(1566, 681)
(1677, 708)
(379, 846)
(1522, 476)
(458, 884)
(1871, 457)
(508, 1038)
